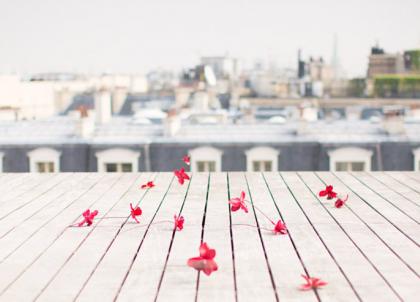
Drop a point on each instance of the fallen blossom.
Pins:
(312, 282)
(205, 262)
(182, 176)
(135, 212)
(148, 185)
(186, 160)
(88, 217)
(238, 203)
(340, 202)
(328, 192)
(280, 228)
(179, 222)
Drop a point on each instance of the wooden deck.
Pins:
(366, 251)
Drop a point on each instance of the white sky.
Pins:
(135, 36)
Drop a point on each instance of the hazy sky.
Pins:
(134, 36)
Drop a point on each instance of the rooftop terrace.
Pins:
(367, 250)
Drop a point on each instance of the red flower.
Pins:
(88, 217)
(135, 212)
(238, 203)
(328, 192)
(340, 202)
(148, 185)
(280, 227)
(312, 282)
(179, 222)
(205, 261)
(182, 176)
(186, 160)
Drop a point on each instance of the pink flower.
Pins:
(179, 222)
(312, 282)
(340, 202)
(205, 262)
(148, 185)
(186, 160)
(88, 217)
(135, 212)
(182, 176)
(280, 228)
(238, 203)
(328, 192)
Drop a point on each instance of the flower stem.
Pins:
(259, 210)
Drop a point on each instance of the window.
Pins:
(262, 159)
(118, 167)
(117, 160)
(206, 159)
(350, 159)
(349, 166)
(44, 160)
(206, 166)
(262, 165)
(416, 153)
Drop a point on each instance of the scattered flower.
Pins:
(135, 212)
(340, 202)
(280, 227)
(238, 203)
(179, 222)
(148, 185)
(182, 176)
(312, 282)
(205, 262)
(186, 160)
(328, 192)
(88, 217)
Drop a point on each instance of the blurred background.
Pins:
(126, 86)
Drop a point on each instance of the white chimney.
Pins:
(172, 124)
(85, 125)
(103, 111)
(393, 121)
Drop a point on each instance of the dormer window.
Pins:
(206, 159)
(117, 160)
(44, 160)
(350, 159)
(262, 159)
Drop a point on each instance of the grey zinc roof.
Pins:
(123, 130)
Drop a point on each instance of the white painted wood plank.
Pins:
(406, 226)
(406, 180)
(400, 203)
(47, 202)
(406, 249)
(281, 254)
(23, 201)
(20, 262)
(146, 271)
(399, 277)
(250, 263)
(77, 269)
(313, 253)
(36, 276)
(404, 190)
(220, 285)
(108, 277)
(23, 184)
(179, 280)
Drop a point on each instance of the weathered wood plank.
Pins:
(108, 277)
(28, 272)
(317, 249)
(387, 264)
(282, 256)
(179, 281)
(399, 202)
(393, 238)
(250, 262)
(402, 189)
(219, 286)
(71, 277)
(400, 221)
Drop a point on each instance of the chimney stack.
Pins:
(103, 110)
(172, 123)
